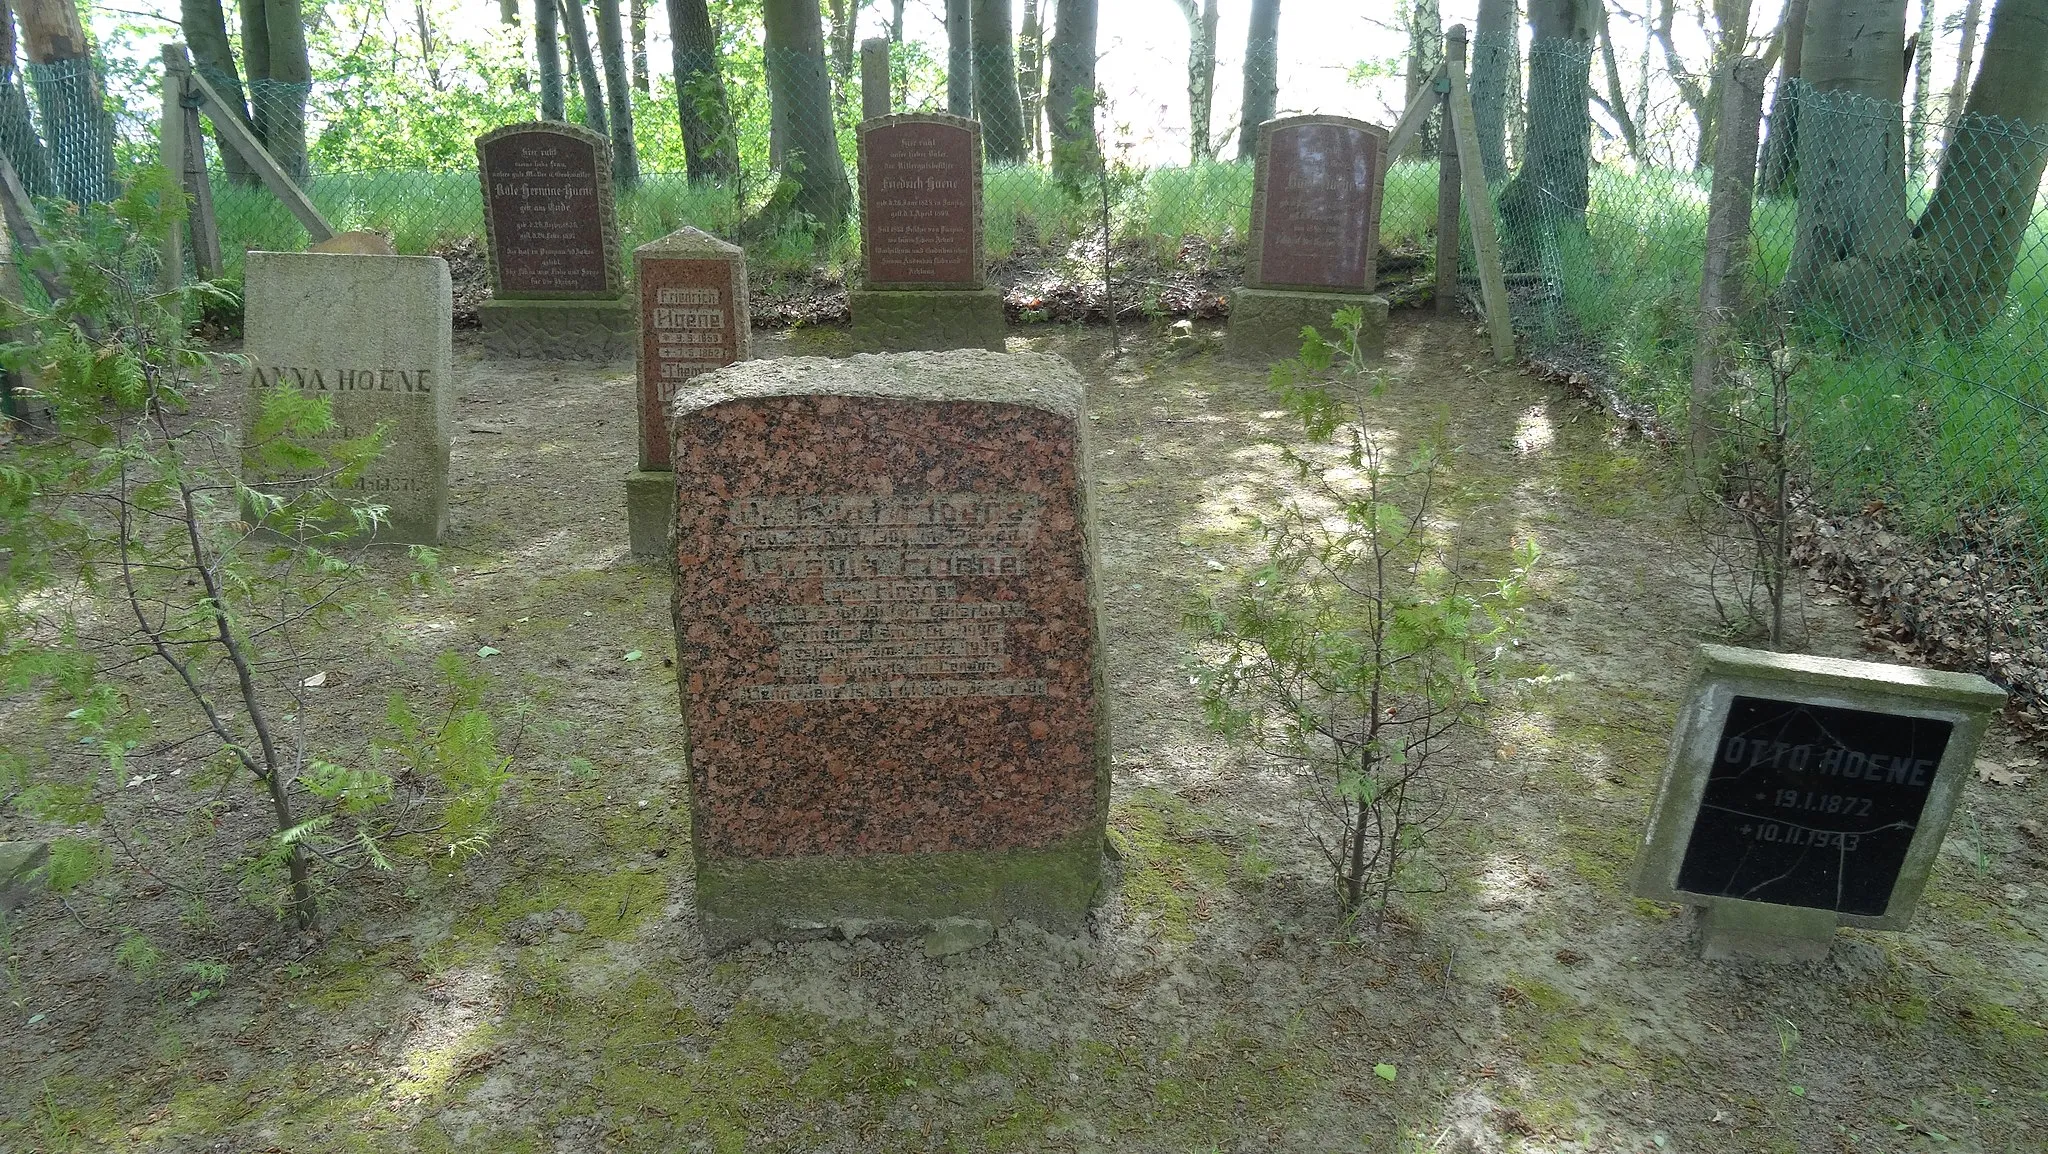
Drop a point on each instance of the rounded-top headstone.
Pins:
(887, 640)
(920, 202)
(1315, 204)
(549, 221)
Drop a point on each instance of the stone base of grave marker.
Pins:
(888, 644)
(1267, 323)
(650, 510)
(1759, 932)
(561, 330)
(901, 321)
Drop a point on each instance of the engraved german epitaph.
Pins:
(1315, 204)
(371, 336)
(1811, 805)
(920, 199)
(886, 631)
(693, 319)
(548, 213)
(1808, 792)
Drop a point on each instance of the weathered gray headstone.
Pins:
(1805, 793)
(1314, 245)
(888, 646)
(923, 283)
(371, 334)
(552, 240)
(693, 319)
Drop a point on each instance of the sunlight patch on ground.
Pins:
(447, 1040)
(1533, 431)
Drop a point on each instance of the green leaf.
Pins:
(1384, 1070)
(486, 651)
(633, 656)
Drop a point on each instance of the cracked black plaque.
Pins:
(1811, 805)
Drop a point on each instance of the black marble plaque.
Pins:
(1811, 805)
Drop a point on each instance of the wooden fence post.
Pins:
(1493, 288)
(238, 137)
(1726, 265)
(1447, 182)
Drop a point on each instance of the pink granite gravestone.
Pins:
(887, 642)
(923, 284)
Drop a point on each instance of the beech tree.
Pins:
(577, 32)
(1261, 75)
(1781, 142)
(76, 126)
(1496, 81)
(996, 102)
(1991, 171)
(1966, 63)
(280, 76)
(213, 56)
(547, 45)
(1851, 227)
(619, 94)
(710, 151)
(1070, 87)
(959, 57)
(799, 85)
(1556, 170)
(1201, 18)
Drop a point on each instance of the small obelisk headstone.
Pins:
(888, 645)
(557, 283)
(1315, 233)
(923, 284)
(1805, 793)
(693, 319)
(372, 335)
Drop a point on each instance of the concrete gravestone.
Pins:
(557, 283)
(921, 237)
(693, 319)
(1315, 232)
(1808, 792)
(887, 642)
(372, 334)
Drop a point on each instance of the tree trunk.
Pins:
(1851, 229)
(845, 16)
(709, 150)
(213, 56)
(1201, 18)
(1923, 92)
(577, 32)
(959, 58)
(1070, 87)
(1261, 75)
(547, 50)
(1551, 189)
(1031, 79)
(508, 15)
(1494, 78)
(17, 129)
(896, 23)
(1780, 165)
(1731, 22)
(280, 76)
(1617, 97)
(1966, 60)
(1425, 52)
(638, 19)
(619, 90)
(1991, 170)
(995, 84)
(798, 83)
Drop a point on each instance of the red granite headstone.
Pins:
(693, 319)
(885, 627)
(920, 202)
(548, 214)
(1315, 207)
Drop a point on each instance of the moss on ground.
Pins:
(1173, 864)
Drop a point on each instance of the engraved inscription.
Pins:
(543, 201)
(1317, 228)
(890, 619)
(919, 207)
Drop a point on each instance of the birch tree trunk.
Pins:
(1201, 18)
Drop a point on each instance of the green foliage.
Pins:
(459, 752)
(1356, 643)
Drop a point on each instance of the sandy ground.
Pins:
(552, 994)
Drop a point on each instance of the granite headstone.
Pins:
(552, 244)
(923, 285)
(887, 642)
